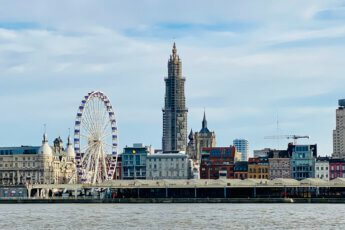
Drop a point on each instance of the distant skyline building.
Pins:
(175, 111)
(242, 146)
(339, 131)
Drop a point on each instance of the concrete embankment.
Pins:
(175, 200)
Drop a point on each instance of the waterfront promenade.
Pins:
(310, 190)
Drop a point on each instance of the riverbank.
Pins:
(173, 200)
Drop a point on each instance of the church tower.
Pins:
(204, 138)
(174, 111)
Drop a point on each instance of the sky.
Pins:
(259, 68)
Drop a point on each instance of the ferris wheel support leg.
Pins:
(96, 167)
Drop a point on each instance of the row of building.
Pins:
(43, 164)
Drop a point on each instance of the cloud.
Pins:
(246, 62)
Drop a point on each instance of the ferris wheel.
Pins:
(95, 139)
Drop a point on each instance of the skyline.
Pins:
(234, 60)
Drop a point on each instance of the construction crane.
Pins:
(294, 137)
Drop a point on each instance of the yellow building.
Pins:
(258, 168)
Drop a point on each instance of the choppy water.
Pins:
(172, 216)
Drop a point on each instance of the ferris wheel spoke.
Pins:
(89, 120)
(87, 147)
(105, 136)
(106, 144)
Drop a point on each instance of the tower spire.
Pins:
(174, 51)
(204, 128)
(204, 121)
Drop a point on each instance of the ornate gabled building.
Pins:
(43, 165)
(203, 139)
(175, 111)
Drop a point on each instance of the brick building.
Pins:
(279, 164)
(217, 162)
(336, 168)
(241, 170)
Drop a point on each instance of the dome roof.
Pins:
(70, 150)
(45, 149)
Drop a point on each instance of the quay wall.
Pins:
(172, 200)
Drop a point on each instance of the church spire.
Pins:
(204, 121)
(204, 128)
(191, 135)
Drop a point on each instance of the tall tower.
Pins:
(339, 132)
(174, 111)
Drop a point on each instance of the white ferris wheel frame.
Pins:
(91, 159)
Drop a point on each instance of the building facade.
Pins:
(43, 165)
(241, 170)
(174, 111)
(279, 164)
(167, 166)
(262, 152)
(134, 162)
(242, 146)
(258, 168)
(322, 168)
(302, 161)
(217, 162)
(202, 139)
(336, 168)
(339, 132)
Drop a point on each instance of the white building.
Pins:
(44, 164)
(167, 166)
(242, 146)
(322, 168)
(339, 132)
(262, 152)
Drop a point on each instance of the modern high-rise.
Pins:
(174, 111)
(242, 146)
(339, 131)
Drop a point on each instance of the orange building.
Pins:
(258, 168)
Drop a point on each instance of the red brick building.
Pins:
(217, 162)
(336, 168)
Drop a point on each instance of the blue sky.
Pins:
(248, 63)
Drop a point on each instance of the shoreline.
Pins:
(174, 200)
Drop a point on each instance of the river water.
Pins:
(172, 216)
